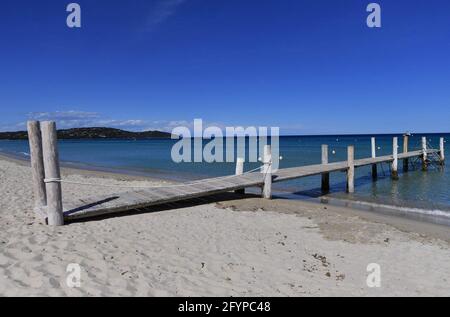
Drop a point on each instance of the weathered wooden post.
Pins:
(374, 155)
(267, 170)
(37, 165)
(351, 169)
(405, 150)
(424, 154)
(52, 174)
(442, 150)
(395, 157)
(240, 171)
(325, 176)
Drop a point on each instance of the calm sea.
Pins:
(428, 192)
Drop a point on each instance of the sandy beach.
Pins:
(237, 247)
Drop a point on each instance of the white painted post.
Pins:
(395, 157)
(52, 174)
(240, 171)
(424, 154)
(405, 150)
(374, 155)
(325, 176)
(351, 169)
(37, 164)
(267, 172)
(442, 150)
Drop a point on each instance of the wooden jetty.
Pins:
(49, 203)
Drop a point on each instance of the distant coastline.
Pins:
(92, 134)
(101, 133)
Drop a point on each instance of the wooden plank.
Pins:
(52, 173)
(374, 155)
(325, 176)
(240, 171)
(424, 154)
(267, 171)
(37, 164)
(395, 158)
(351, 169)
(132, 199)
(165, 195)
(405, 150)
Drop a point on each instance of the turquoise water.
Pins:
(415, 189)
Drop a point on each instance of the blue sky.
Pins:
(309, 67)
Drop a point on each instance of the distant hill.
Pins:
(92, 133)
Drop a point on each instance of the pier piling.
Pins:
(52, 174)
(395, 156)
(267, 170)
(405, 150)
(37, 164)
(325, 176)
(351, 169)
(424, 154)
(374, 155)
(240, 171)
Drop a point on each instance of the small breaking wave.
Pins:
(419, 211)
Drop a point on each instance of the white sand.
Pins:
(207, 250)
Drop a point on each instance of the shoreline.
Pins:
(370, 210)
(85, 170)
(433, 216)
(422, 228)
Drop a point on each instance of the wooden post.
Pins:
(325, 176)
(395, 157)
(52, 174)
(424, 154)
(442, 150)
(267, 170)
(351, 169)
(405, 150)
(374, 155)
(240, 171)
(37, 164)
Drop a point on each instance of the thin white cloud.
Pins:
(63, 115)
(13, 127)
(162, 10)
(82, 119)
